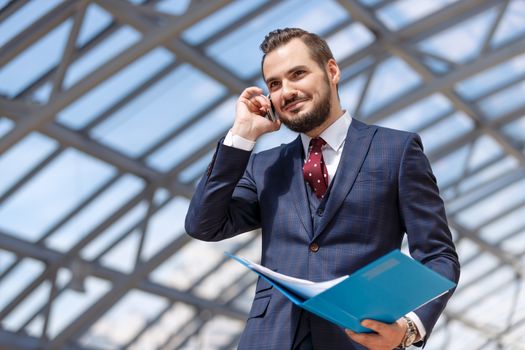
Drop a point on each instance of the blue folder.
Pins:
(384, 290)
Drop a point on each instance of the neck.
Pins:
(335, 112)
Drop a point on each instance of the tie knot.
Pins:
(317, 143)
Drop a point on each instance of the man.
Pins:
(341, 195)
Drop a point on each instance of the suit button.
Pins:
(320, 211)
(314, 247)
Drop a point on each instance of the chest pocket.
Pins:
(372, 176)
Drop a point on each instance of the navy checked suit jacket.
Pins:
(383, 188)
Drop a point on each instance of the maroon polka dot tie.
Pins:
(314, 169)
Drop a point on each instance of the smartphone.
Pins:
(271, 115)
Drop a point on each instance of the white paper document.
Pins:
(304, 288)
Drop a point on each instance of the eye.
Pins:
(299, 73)
(273, 85)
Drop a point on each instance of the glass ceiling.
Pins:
(110, 111)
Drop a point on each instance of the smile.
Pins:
(295, 104)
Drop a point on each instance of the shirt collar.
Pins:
(334, 135)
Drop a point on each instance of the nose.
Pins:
(288, 91)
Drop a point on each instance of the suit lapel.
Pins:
(355, 150)
(295, 172)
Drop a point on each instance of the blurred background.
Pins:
(110, 111)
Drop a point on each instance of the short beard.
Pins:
(309, 121)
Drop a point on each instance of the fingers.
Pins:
(251, 108)
(378, 327)
(254, 99)
(251, 91)
(386, 336)
(366, 339)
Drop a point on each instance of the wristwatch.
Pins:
(410, 335)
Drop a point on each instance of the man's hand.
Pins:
(386, 336)
(250, 122)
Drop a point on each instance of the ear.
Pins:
(332, 69)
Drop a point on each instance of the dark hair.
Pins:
(319, 50)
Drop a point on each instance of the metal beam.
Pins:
(123, 163)
(63, 99)
(36, 31)
(10, 341)
(140, 281)
(129, 14)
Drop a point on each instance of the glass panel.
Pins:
(43, 93)
(95, 20)
(493, 205)
(186, 267)
(196, 169)
(371, 2)
(100, 209)
(485, 149)
(468, 249)
(164, 106)
(445, 131)
(62, 185)
(350, 92)
(515, 244)
(219, 20)
(16, 75)
(354, 68)
(124, 320)
(195, 137)
(23, 157)
(6, 125)
(107, 50)
(161, 196)
(173, 7)
(516, 130)
(512, 25)
(503, 102)
(493, 309)
(438, 65)
(71, 304)
(480, 271)
(400, 13)
(165, 226)
(349, 40)
(31, 304)
(391, 79)
(450, 168)
(26, 271)
(112, 90)
(6, 259)
(123, 256)
(509, 223)
(39, 299)
(492, 78)
(491, 173)
(415, 116)
(169, 325)
(23, 18)
(115, 231)
(239, 51)
(462, 42)
(219, 331)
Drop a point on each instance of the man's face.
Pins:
(300, 89)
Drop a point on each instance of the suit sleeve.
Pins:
(424, 219)
(225, 202)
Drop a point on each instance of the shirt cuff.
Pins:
(420, 327)
(239, 142)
